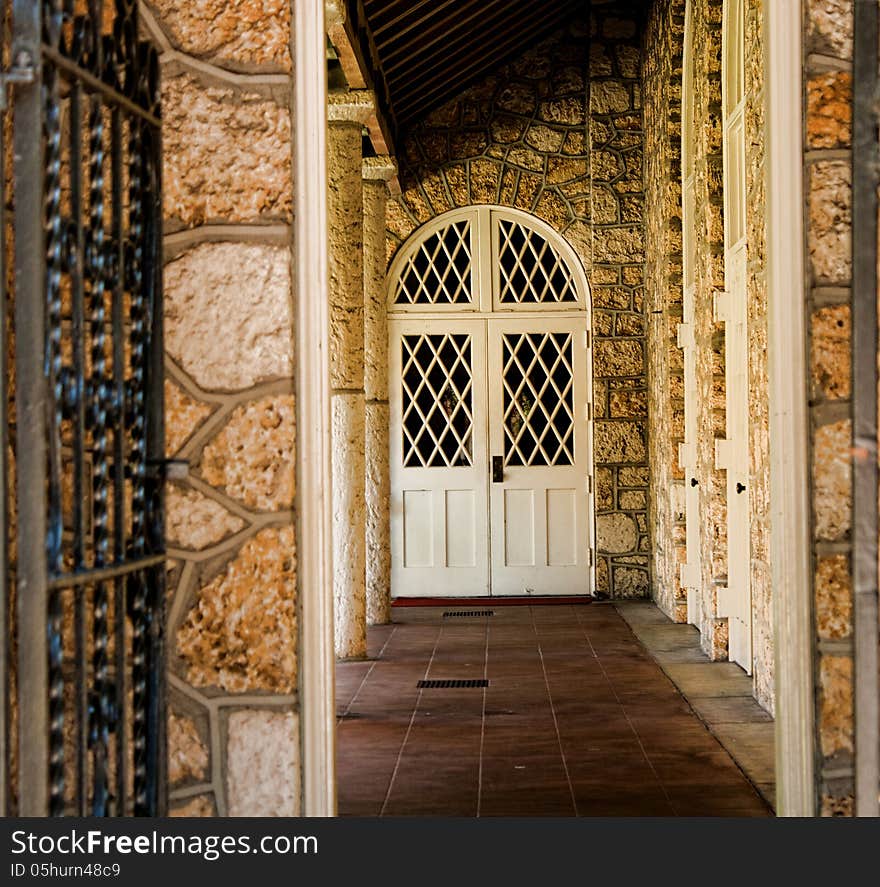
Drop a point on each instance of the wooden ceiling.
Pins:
(423, 52)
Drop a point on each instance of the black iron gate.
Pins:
(83, 661)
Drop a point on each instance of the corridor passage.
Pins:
(577, 719)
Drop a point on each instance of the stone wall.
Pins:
(663, 80)
(828, 212)
(232, 610)
(662, 76)
(663, 48)
(709, 334)
(560, 137)
(617, 279)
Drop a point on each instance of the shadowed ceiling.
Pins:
(423, 52)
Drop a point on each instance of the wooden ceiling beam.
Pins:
(449, 83)
(345, 33)
(405, 21)
(440, 64)
(488, 10)
(468, 11)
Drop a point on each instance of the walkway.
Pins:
(578, 719)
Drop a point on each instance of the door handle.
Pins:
(497, 469)
(740, 488)
(694, 482)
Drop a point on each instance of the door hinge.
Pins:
(587, 339)
(685, 335)
(23, 71)
(723, 453)
(590, 483)
(589, 412)
(721, 306)
(592, 558)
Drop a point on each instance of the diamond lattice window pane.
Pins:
(437, 401)
(439, 271)
(531, 271)
(538, 399)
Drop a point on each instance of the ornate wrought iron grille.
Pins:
(87, 410)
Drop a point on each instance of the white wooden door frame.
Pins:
(731, 307)
(483, 231)
(790, 553)
(314, 527)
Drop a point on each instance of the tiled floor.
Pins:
(578, 719)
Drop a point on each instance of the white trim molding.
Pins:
(789, 425)
(314, 513)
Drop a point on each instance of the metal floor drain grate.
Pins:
(458, 614)
(452, 683)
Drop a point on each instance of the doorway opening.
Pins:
(491, 410)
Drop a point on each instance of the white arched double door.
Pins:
(489, 378)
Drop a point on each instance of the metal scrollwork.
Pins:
(102, 308)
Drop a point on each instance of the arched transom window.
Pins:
(486, 259)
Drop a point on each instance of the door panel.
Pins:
(537, 423)
(439, 465)
(736, 601)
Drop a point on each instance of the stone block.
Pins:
(187, 754)
(568, 110)
(183, 415)
(545, 139)
(485, 176)
(240, 634)
(829, 110)
(194, 521)
(629, 404)
(616, 533)
(228, 314)
(227, 154)
(619, 442)
(836, 704)
(604, 490)
(605, 207)
(252, 457)
(632, 500)
(263, 763)
(830, 221)
(378, 535)
(833, 597)
(830, 352)
(832, 479)
(618, 245)
(553, 209)
(243, 35)
(606, 166)
(628, 61)
(609, 97)
(630, 582)
(613, 358)
(632, 477)
(349, 528)
(830, 27)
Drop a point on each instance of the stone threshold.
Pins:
(720, 693)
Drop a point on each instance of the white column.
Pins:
(376, 173)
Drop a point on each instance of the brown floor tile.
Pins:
(578, 719)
